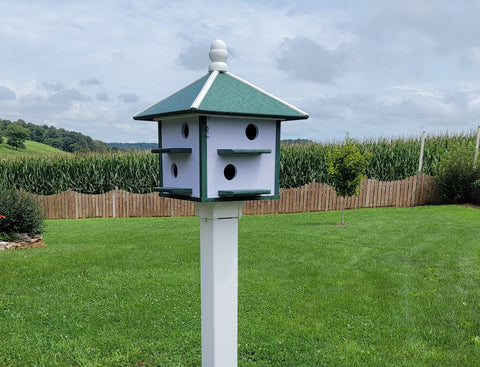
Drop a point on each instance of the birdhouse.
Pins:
(219, 137)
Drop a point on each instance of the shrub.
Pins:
(20, 213)
(456, 180)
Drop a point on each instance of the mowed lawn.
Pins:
(394, 287)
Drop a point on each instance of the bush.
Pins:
(20, 213)
(457, 181)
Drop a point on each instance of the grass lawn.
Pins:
(395, 287)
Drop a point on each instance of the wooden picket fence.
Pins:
(413, 191)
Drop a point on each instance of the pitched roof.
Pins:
(222, 93)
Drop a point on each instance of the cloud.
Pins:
(367, 115)
(470, 57)
(371, 67)
(6, 93)
(67, 96)
(194, 57)
(303, 58)
(93, 82)
(116, 57)
(52, 86)
(102, 96)
(47, 99)
(448, 26)
(128, 98)
(430, 37)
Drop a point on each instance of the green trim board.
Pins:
(243, 151)
(177, 196)
(202, 123)
(242, 198)
(160, 163)
(242, 193)
(173, 190)
(172, 150)
(277, 159)
(214, 200)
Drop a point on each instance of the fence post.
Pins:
(422, 144)
(476, 148)
(414, 189)
(114, 203)
(76, 203)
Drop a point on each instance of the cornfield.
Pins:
(300, 164)
(393, 159)
(396, 159)
(86, 173)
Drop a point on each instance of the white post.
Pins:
(476, 148)
(422, 144)
(219, 281)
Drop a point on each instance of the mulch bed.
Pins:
(24, 243)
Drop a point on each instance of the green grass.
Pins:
(31, 148)
(395, 287)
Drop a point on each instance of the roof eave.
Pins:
(251, 115)
(158, 116)
(193, 111)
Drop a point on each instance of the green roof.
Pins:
(222, 93)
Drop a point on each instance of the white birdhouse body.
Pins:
(180, 169)
(219, 137)
(217, 158)
(241, 157)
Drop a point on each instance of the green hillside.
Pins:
(68, 141)
(32, 148)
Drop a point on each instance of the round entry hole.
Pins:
(185, 130)
(251, 131)
(230, 171)
(174, 169)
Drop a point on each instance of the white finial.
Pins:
(218, 55)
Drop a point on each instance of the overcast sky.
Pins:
(373, 68)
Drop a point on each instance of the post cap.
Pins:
(218, 55)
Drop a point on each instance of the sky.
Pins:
(366, 68)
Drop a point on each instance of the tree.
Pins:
(16, 136)
(36, 132)
(346, 166)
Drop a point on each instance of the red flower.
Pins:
(2, 216)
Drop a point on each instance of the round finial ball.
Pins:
(218, 55)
